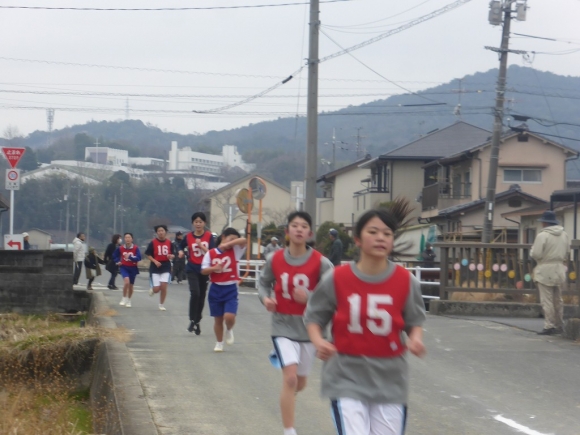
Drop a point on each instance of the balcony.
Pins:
(445, 194)
(368, 198)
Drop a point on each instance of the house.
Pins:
(530, 168)
(221, 209)
(39, 239)
(338, 189)
(400, 173)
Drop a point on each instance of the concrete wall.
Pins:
(39, 282)
(343, 191)
(407, 181)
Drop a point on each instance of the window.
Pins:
(467, 184)
(522, 175)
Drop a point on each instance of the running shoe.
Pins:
(123, 302)
(230, 336)
(151, 293)
(162, 308)
(219, 347)
(196, 329)
(128, 304)
(191, 326)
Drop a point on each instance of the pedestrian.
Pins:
(26, 242)
(370, 304)
(92, 268)
(292, 274)
(550, 250)
(197, 243)
(78, 256)
(160, 252)
(127, 256)
(110, 264)
(221, 264)
(335, 254)
(273, 246)
(178, 263)
(428, 255)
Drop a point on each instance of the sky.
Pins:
(164, 65)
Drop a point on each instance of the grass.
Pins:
(41, 358)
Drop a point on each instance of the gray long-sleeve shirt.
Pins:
(286, 325)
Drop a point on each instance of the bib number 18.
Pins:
(379, 321)
(298, 280)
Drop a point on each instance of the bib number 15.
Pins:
(379, 321)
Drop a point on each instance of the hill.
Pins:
(278, 145)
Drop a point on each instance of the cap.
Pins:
(274, 239)
(24, 234)
(179, 233)
(333, 232)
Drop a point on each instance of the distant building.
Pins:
(184, 159)
(146, 161)
(107, 156)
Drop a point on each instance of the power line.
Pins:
(166, 9)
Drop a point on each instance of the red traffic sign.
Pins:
(13, 155)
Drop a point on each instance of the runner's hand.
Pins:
(301, 295)
(416, 347)
(270, 304)
(325, 350)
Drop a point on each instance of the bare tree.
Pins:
(222, 202)
(12, 132)
(279, 216)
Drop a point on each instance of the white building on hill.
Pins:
(185, 159)
(107, 156)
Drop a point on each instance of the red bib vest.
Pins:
(230, 270)
(125, 260)
(161, 249)
(196, 254)
(289, 277)
(369, 317)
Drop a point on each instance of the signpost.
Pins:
(13, 242)
(13, 155)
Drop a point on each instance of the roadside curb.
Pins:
(492, 309)
(117, 397)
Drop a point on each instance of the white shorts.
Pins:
(355, 417)
(158, 278)
(295, 352)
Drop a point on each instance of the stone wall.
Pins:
(39, 282)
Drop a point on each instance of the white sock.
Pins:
(290, 431)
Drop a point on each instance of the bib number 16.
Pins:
(379, 321)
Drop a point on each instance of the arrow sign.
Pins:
(13, 155)
(12, 244)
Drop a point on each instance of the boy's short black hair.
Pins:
(227, 232)
(300, 214)
(131, 234)
(198, 214)
(156, 227)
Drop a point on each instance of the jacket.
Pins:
(92, 261)
(78, 249)
(551, 249)
(335, 255)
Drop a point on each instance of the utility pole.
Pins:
(88, 232)
(66, 198)
(496, 8)
(312, 113)
(333, 149)
(115, 214)
(78, 208)
(97, 154)
(359, 150)
(121, 209)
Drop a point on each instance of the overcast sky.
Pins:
(225, 55)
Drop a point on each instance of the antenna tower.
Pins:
(49, 119)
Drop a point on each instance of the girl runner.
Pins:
(160, 252)
(221, 264)
(371, 303)
(127, 256)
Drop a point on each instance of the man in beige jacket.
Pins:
(550, 250)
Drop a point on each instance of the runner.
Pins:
(160, 252)
(127, 256)
(197, 243)
(292, 273)
(221, 264)
(370, 304)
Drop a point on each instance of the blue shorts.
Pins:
(222, 299)
(129, 272)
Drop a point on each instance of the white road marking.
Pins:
(248, 293)
(519, 427)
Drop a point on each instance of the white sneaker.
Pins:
(219, 347)
(128, 304)
(151, 293)
(162, 308)
(230, 336)
(123, 302)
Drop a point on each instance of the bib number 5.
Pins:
(196, 251)
(379, 321)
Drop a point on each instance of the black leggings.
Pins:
(197, 290)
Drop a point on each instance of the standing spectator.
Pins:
(273, 246)
(110, 264)
(26, 242)
(78, 256)
(92, 267)
(428, 256)
(550, 250)
(178, 263)
(335, 255)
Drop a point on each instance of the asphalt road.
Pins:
(479, 377)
